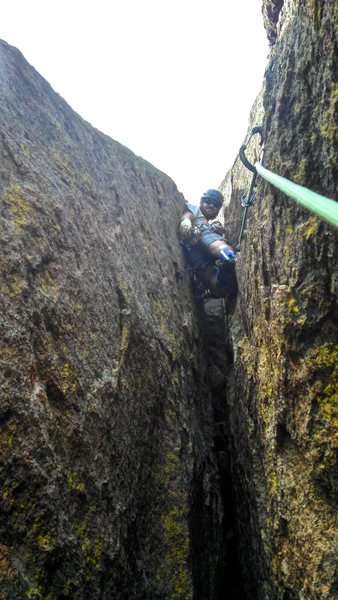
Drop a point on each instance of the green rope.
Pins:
(324, 207)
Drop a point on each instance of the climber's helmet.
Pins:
(213, 197)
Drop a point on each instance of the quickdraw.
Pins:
(323, 207)
(250, 197)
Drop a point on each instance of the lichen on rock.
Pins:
(104, 424)
(282, 391)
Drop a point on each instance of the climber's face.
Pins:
(210, 208)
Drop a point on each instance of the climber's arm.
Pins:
(186, 225)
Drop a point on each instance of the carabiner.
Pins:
(249, 198)
(245, 161)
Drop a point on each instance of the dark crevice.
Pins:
(6, 416)
(283, 437)
(233, 582)
(55, 395)
(287, 595)
(283, 527)
(216, 564)
(205, 553)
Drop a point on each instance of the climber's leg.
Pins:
(220, 249)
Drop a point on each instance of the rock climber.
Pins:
(206, 249)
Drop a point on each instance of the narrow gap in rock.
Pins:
(232, 584)
(227, 570)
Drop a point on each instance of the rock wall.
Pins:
(119, 437)
(109, 486)
(282, 392)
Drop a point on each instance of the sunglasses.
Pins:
(213, 202)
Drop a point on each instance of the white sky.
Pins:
(173, 80)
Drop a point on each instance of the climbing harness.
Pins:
(225, 275)
(250, 197)
(200, 290)
(320, 205)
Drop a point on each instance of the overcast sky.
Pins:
(173, 80)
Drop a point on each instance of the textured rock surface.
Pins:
(105, 454)
(109, 482)
(282, 394)
(271, 14)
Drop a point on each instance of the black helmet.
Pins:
(213, 195)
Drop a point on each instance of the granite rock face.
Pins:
(117, 434)
(108, 480)
(282, 393)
